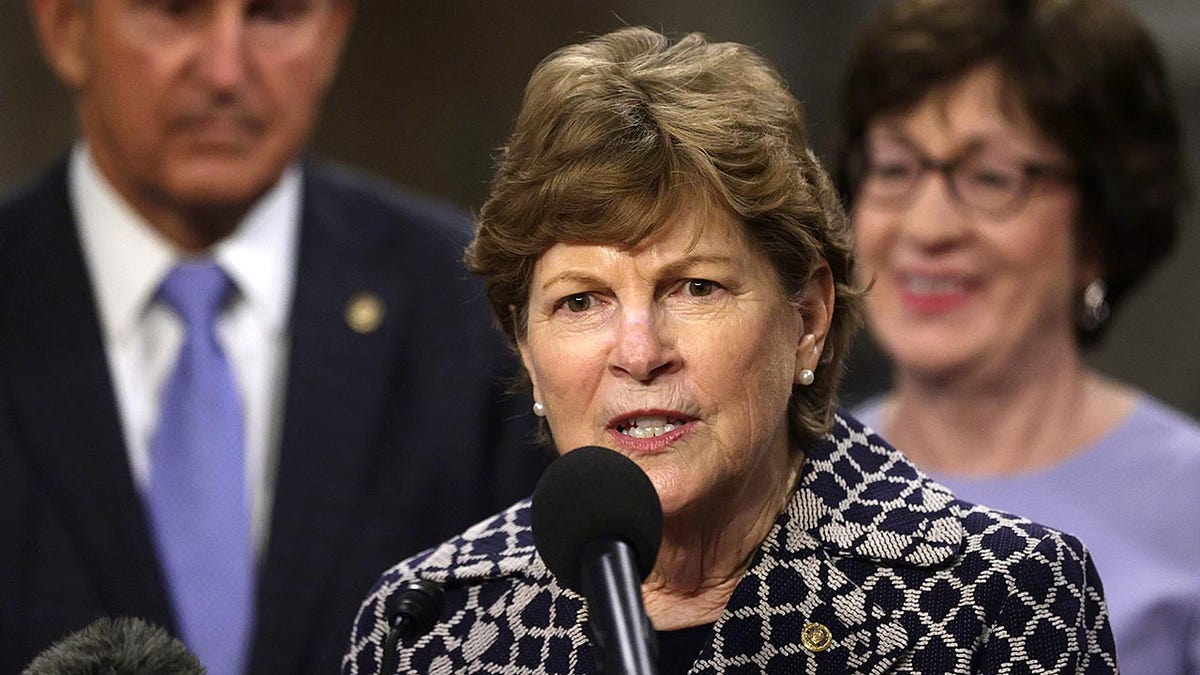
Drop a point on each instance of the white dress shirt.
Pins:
(127, 260)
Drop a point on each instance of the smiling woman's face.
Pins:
(958, 292)
(680, 354)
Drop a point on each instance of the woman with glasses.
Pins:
(1013, 170)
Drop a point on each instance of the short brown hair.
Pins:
(1090, 78)
(616, 134)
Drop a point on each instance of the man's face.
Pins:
(195, 105)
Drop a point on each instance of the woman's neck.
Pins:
(705, 554)
(1034, 416)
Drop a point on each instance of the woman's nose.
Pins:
(934, 218)
(642, 349)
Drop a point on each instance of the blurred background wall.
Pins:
(429, 88)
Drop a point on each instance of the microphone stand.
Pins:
(610, 582)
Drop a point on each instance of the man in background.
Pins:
(235, 384)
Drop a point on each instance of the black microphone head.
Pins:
(588, 495)
(120, 646)
(417, 604)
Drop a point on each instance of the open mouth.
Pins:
(649, 426)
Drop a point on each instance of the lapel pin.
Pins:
(816, 637)
(364, 312)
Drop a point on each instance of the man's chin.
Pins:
(219, 185)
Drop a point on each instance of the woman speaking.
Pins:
(673, 266)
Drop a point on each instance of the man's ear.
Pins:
(333, 40)
(61, 27)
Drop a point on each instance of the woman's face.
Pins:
(679, 354)
(961, 289)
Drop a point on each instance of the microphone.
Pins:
(121, 646)
(597, 523)
(410, 612)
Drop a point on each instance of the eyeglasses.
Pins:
(985, 181)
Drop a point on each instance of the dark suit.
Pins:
(392, 439)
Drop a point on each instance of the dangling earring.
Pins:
(539, 408)
(806, 377)
(1095, 305)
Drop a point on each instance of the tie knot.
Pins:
(195, 290)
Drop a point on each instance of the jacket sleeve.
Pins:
(1054, 619)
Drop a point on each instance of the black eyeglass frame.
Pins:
(859, 170)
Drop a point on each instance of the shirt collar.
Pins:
(260, 255)
(128, 259)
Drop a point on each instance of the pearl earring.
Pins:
(806, 377)
(539, 408)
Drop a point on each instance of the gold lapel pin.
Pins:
(816, 637)
(364, 312)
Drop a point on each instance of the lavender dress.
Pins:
(1133, 498)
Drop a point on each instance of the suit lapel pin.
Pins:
(816, 637)
(364, 312)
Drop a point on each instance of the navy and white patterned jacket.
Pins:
(904, 577)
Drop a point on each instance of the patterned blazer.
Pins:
(871, 568)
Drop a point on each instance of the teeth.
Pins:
(648, 426)
(933, 286)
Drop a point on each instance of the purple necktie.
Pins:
(197, 494)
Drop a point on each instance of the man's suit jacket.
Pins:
(392, 439)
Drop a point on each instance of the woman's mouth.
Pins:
(649, 432)
(649, 426)
(933, 294)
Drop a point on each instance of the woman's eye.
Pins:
(580, 302)
(700, 287)
(893, 170)
(996, 179)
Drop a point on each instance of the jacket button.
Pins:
(816, 637)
